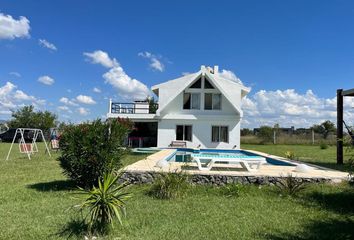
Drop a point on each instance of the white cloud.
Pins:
(96, 90)
(101, 57)
(46, 80)
(155, 63)
(16, 74)
(289, 108)
(12, 98)
(67, 101)
(83, 111)
(128, 88)
(46, 44)
(85, 99)
(229, 75)
(64, 109)
(11, 28)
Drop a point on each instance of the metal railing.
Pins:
(133, 108)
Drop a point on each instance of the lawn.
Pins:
(306, 153)
(35, 201)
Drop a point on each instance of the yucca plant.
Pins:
(290, 185)
(104, 203)
(170, 185)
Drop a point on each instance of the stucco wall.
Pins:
(201, 130)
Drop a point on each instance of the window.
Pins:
(207, 84)
(184, 132)
(212, 101)
(220, 134)
(191, 101)
(197, 84)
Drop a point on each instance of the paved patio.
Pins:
(149, 165)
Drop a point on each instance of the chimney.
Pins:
(216, 69)
(202, 67)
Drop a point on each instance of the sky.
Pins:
(71, 57)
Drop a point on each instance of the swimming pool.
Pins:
(183, 155)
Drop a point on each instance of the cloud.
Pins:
(289, 108)
(16, 74)
(46, 44)
(128, 88)
(155, 63)
(64, 109)
(46, 80)
(11, 28)
(85, 99)
(68, 102)
(96, 90)
(83, 111)
(229, 75)
(12, 98)
(101, 57)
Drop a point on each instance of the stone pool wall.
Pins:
(219, 180)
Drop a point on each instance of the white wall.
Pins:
(201, 129)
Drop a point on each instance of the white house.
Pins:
(203, 109)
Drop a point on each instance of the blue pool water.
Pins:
(184, 155)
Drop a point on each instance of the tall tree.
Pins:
(324, 128)
(26, 117)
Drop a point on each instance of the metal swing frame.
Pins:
(34, 148)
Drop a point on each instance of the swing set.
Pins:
(31, 147)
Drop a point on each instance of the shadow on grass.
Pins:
(59, 185)
(326, 229)
(76, 228)
(344, 167)
(339, 202)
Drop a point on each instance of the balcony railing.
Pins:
(133, 108)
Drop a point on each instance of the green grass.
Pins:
(306, 153)
(35, 198)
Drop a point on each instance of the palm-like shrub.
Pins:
(290, 185)
(231, 190)
(88, 150)
(170, 185)
(104, 203)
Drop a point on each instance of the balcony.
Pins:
(138, 110)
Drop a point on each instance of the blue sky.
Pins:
(272, 46)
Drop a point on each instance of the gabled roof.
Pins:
(180, 84)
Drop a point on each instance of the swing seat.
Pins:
(26, 148)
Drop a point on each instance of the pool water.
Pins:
(184, 155)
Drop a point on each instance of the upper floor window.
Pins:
(207, 84)
(197, 84)
(191, 101)
(212, 101)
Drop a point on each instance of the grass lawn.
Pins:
(306, 153)
(35, 198)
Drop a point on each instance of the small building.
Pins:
(202, 109)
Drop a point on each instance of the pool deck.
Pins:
(148, 164)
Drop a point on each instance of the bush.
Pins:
(290, 155)
(104, 203)
(89, 150)
(170, 185)
(290, 185)
(266, 134)
(323, 145)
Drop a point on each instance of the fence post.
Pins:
(274, 138)
(313, 137)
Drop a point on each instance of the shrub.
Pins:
(89, 150)
(290, 155)
(170, 185)
(104, 203)
(231, 190)
(323, 145)
(290, 185)
(266, 134)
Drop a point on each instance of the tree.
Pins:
(246, 132)
(153, 106)
(26, 117)
(266, 134)
(324, 128)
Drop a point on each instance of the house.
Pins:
(203, 109)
